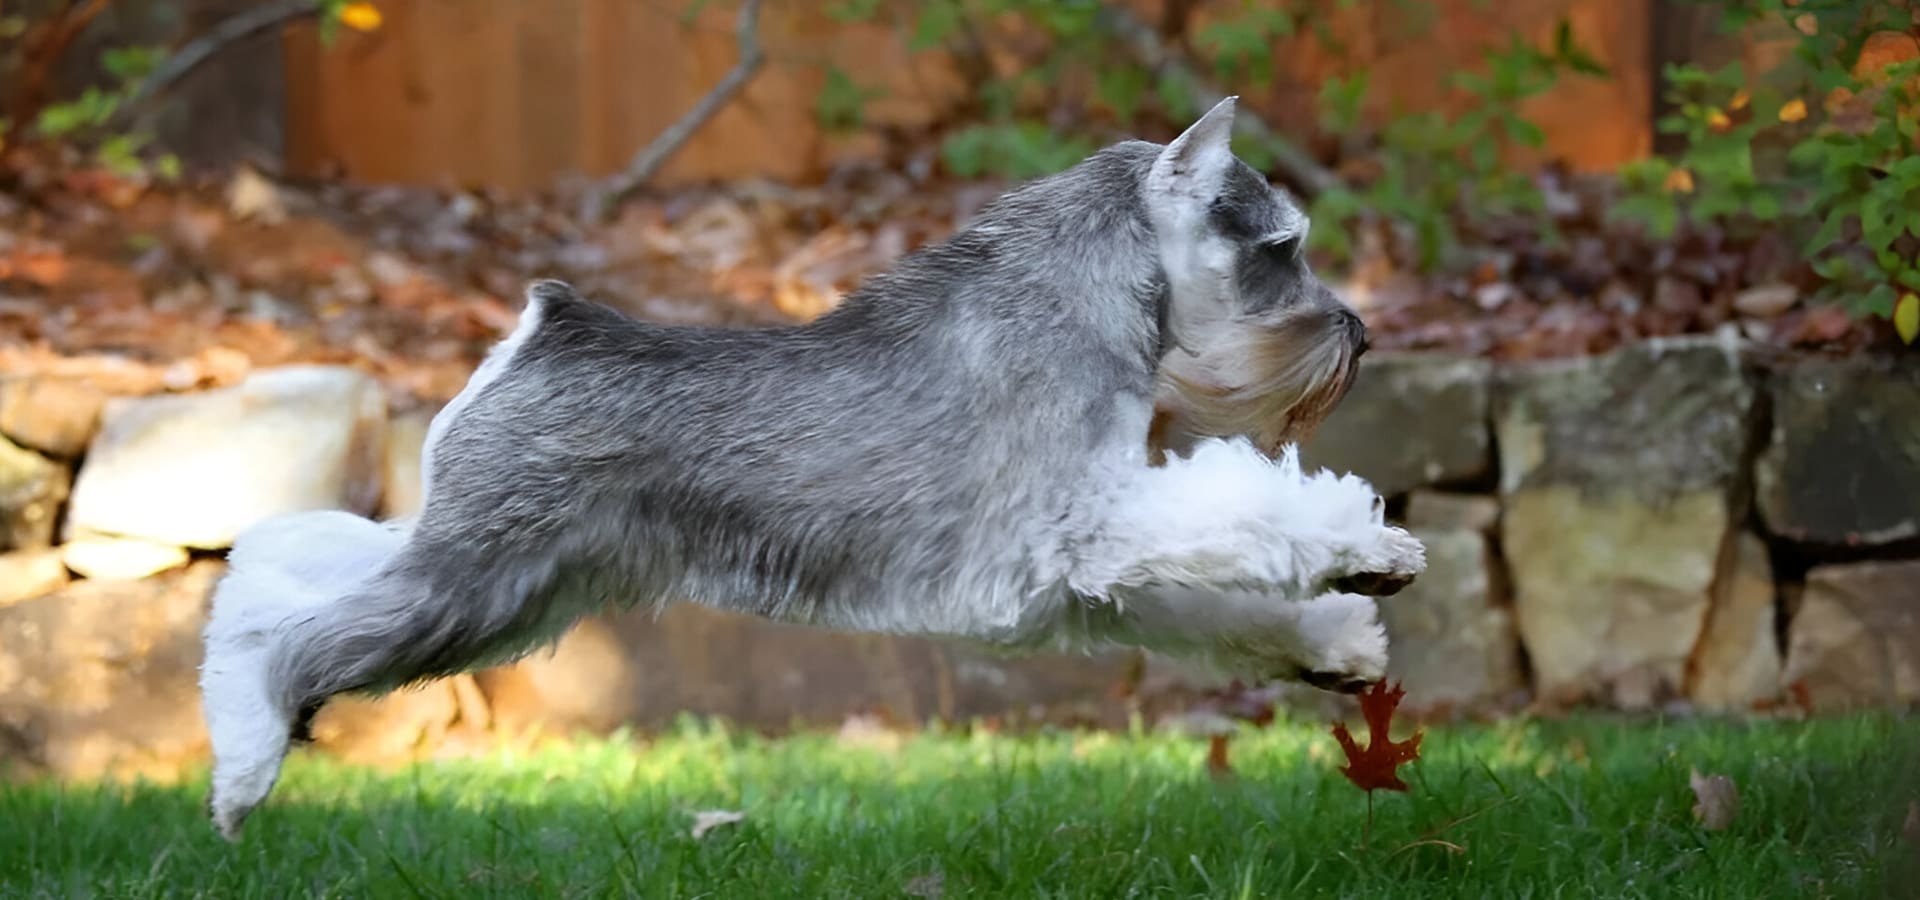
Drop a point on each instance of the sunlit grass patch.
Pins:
(1588, 807)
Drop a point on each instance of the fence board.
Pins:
(515, 93)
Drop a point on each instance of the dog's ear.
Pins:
(1194, 165)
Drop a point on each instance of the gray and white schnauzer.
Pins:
(1069, 425)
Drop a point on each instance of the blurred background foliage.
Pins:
(1810, 153)
(1819, 145)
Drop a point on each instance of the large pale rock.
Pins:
(1855, 640)
(101, 679)
(406, 435)
(195, 469)
(1843, 465)
(1620, 482)
(1611, 595)
(1410, 420)
(403, 725)
(634, 669)
(1450, 642)
(27, 574)
(52, 414)
(94, 556)
(32, 488)
(1737, 662)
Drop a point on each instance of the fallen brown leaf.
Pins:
(1217, 764)
(251, 196)
(1767, 300)
(930, 886)
(870, 731)
(708, 820)
(1718, 800)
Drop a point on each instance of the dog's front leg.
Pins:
(1333, 641)
(1227, 519)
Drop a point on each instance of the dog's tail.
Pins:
(286, 581)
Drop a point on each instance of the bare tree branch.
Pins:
(43, 47)
(1291, 162)
(651, 158)
(197, 51)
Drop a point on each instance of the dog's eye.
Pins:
(1286, 248)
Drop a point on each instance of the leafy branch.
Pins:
(1288, 160)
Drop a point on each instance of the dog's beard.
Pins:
(1272, 382)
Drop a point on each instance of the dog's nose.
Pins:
(1355, 328)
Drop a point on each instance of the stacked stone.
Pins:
(1676, 525)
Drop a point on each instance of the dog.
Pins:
(1070, 425)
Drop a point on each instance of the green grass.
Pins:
(1585, 808)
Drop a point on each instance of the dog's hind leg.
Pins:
(319, 603)
(274, 579)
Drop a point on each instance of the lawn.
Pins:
(1589, 807)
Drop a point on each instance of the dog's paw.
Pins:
(1382, 566)
(1336, 682)
(1344, 646)
(248, 731)
(1372, 584)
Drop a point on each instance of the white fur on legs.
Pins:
(1341, 634)
(1333, 639)
(1227, 518)
(278, 570)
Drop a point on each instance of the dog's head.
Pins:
(1256, 344)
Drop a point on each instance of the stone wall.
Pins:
(1677, 524)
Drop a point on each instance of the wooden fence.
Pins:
(515, 93)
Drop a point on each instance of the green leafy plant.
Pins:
(1240, 47)
(90, 119)
(98, 120)
(1018, 150)
(1432, 167)
(841, 103)
(1076, 83)
(1820, 147)
(1865, 193)
(1073, 86)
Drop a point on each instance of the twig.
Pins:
(1450, 846)
(197, 51)
(219, 37)
(648, 162)
(1442, 828)
(1292, 163)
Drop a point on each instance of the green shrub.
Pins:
(1431, 167)
(100, 120)
(1811, 148)
(1434, 168)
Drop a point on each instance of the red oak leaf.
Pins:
(1375, 767)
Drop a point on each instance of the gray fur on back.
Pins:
(806, 473)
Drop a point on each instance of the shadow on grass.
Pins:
(1587, 808)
